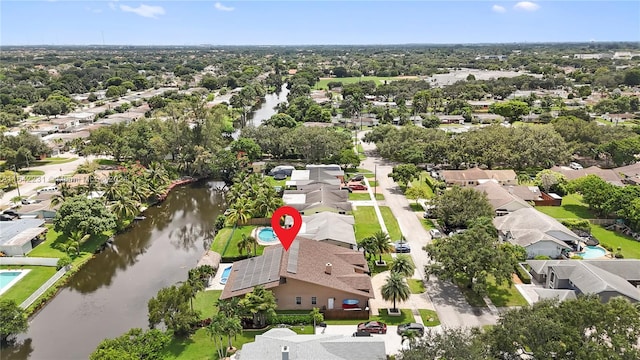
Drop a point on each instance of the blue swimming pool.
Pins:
(8, 278)
(592, 252)
(267, 235)
(225, 275)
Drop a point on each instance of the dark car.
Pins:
(10, 213)
(279, 176)
(404, 328)
(361, 333)
(373, 327)
(357, 187)
(358, 177)
(402, 247)
(347, 188)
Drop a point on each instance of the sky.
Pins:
(304, 22)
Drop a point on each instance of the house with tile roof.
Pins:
(538, 233)
(329, 227)
(310, 274)
(279, 344)
(318, 197)
(476, 176)
(608, 175)
(630, 174)
(605, 278)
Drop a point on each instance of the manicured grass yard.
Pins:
(427, 224)
(205, 302)
(28, 284)
(107, 162)
(366, 222)
(504, 295)
(275, 182)
(391, 223)
(573, 208)
(364, 196)
(220, 241)
(53, 160)
(31, 172)
(429, 317)
(373, 183)
(322, 84)
(416, 286)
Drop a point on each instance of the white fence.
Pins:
(52, 280)
(34, 261)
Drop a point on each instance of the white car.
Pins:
(435, 233)
(575, 166)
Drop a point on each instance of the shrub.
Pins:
(618, 255)
(63, 261)
(542, 257)
(576, 257)
(577, 224)
(523, 275)
(607, 247)
(290, 319)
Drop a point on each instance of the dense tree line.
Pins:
(492, 146)
(22, 149)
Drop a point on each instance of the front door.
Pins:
(330, 305)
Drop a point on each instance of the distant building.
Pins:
(19, 237)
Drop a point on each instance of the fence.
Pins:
(258, 221)
(604, 222)
(34, 261)
(52, 280)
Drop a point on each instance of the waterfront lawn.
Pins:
(504, 295)
(366, 222)
(405, 317)
(52, 246)
(205, 302)
(429, 317)
(391, 223)
(29, 283)
(200, 346)
(220, 241)
(416, 286)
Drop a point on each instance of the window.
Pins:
(314, 300)
(298, 300)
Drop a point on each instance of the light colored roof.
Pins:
(632, 170)
(210, 258)
(560, 294)
(607, 175)
(329, 226)
(529, 226)
(317, 195)
(591, 279)
(268, 346)
(500, 197)
(18, 232)
(478, 174)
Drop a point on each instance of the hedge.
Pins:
(523, 275)
(290, 319)
(577, 224)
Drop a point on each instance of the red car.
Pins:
(373, 327)
(357, 187)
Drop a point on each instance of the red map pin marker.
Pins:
(286, 235)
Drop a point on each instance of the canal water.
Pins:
(109, 295)
(266, 109)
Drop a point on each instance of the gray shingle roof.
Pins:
(268, 346)
(19, 231)
(529, 226)
(329, 226)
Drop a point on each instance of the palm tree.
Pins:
(216, 331)
(382, 243)
(194, 285)
(395, 288)
(260, 303)
(412, 336)
(72, 248)
(229, 307)
(125, 208)
(232, 326)
(403, 265)
(157, 175)
(247, 243)
(368, 246)
(240, 212)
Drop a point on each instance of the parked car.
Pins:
(361, 333)
(373, 327)
(435, 233)
(357, 187)
(279, 176)
(27, 201)
(402, 247)
(358, 177)
(10, 213)
(404, 328)
(575, 166)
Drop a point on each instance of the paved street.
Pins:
(448, 301)
(30, 183)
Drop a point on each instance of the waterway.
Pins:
(266, 109)
(109, 295)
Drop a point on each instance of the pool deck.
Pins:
(255, 233)
(23, 273)
(215, 283)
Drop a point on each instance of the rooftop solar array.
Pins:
(292, 264)
(561, 235)
(257, 270)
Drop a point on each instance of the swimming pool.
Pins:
(267, 235)
(225, 275)
(8, 278)
(592, 252)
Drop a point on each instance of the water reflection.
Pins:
(110, 294)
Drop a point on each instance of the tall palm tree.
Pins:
(403, 265)
(232, 326)
(125, 208)
(412, 336)
(368, 246)
(382, 243)
(265, 204)
(247, 243)
(216, 331)
(259, 303)
(395, 288)
(240, 212)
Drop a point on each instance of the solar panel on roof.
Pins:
(561, 235)
(259, 270)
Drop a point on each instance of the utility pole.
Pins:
(375, 178)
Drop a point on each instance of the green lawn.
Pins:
(364, 196)
(106, 162)
(366, 222)
(373, 183)
(31, 172)
(427, 224)
(416, 207)
(471, 296)
(429, 317)
(29, 283)
(205, 302)
(416, 286)
(504, 295)
(220, 241)
(53, 160)
(573, 208)
(421, 182)
(322, 84)
(405, 317)
(52, 246)
(274, 182)
(391, 223)
(387, 258)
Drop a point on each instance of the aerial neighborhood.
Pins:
(453, 199)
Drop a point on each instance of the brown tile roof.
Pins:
(607, 175)
(478, 174)
(306, 261)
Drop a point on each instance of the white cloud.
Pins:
(112, 6)
(221, 7)
(144, 10)
(526, 6)
(498, 9)
(95, 11)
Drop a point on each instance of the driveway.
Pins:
(448, 301)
